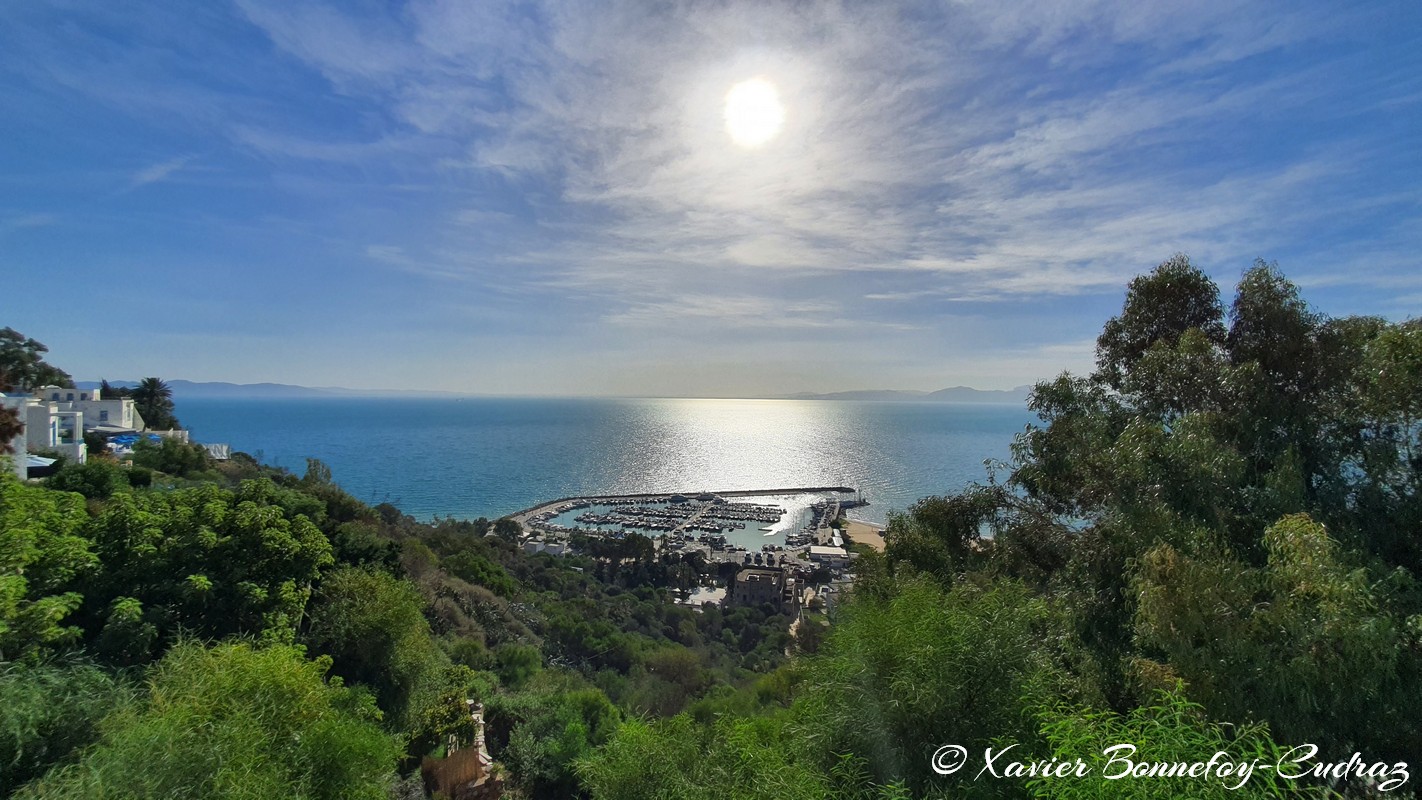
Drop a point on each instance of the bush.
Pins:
(42, 553)
(373, 626)
(202, 560)
(139, 477)
(480, 571)
(674, 759)
(540, 734)
(517, 663)
(171, 456)
(235, 721)
(1171, 730)
(96, 444)
(96, 479)
(899, 677)
(51, 712)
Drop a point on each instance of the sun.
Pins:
(753, 112)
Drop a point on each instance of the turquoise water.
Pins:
(488, 457)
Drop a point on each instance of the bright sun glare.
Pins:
(753, 112)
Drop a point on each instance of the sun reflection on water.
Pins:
(753, 444)
(490, 457)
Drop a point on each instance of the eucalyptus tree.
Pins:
(1160, 307)
(22, 364)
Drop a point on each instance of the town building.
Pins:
(553, 547)
(48, 427)
(55, 419)
(764, 585)
(835, 557)
(101, 414)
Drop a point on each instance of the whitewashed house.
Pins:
(105, 415)
(49, 426)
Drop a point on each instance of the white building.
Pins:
(552, 547)
(832, 556)
(48, 427)
(106, 415)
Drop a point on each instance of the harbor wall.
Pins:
(731, 493)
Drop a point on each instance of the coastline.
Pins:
(864, 533)
(522, 517)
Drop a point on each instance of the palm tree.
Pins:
(154, 399)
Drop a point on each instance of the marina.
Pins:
(731, 525)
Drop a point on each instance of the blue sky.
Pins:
(542, 198)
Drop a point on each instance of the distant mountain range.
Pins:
(955, 394)
(182, 389)
(186, 389)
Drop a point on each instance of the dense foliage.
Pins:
(22, 364)
(1208, 545)
(234, 721)
(51, 710)
(126, 585)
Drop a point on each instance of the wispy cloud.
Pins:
(29, 221)
(280, 145)
(157, 173)
(20, 222)
(941, 166)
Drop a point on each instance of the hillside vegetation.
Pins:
(1210, 544)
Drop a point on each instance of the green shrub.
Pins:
(51, 711)
(97, 479)
(235, 721)
(140, 476)
(171, 456)
(372, 625)
(517, 663)
(1171, 730)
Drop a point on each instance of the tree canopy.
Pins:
(234, 721)
(1207, 544)
(154, 400)
(22, 364)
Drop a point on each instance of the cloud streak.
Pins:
(908, 147)
(157, 173)
(940, 165)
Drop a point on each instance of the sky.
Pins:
(547, 198)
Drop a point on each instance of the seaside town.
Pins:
(63, 424)
(750, 608)
(803, 571)
(679, 400)
(812, 566)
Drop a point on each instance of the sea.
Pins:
(489, 457)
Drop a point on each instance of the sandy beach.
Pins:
(864, 533)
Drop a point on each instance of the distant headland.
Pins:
(217, 389)
(954, 394)
(189, 389)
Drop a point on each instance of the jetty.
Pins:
(527, 517)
